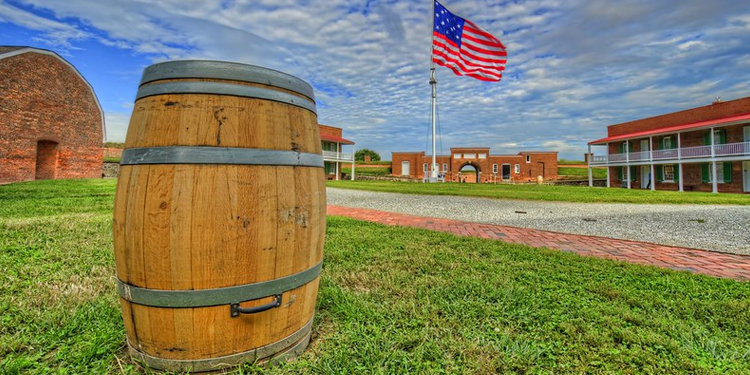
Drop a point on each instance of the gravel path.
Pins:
(718, 228)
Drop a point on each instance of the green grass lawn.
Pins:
(570, 162)
(384, 171)
(392, 301)
(583, 194)
(581, 173)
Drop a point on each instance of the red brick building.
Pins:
(51, 123)
(681, 150)
(524, 166)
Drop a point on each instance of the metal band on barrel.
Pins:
(226, 70)
(217, 296)
(219, 155)
(284, 349)
(219, 88)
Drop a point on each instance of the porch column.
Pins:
(715, 180)
(651, 158)
(627, 160)
(338, 172)
(679, 162)
(608, 184)
(354, 162)
(591, 175)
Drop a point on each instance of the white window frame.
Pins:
(517, 168)
(528, 158)
(445, 167)
(424, 167)
(494, 168)
(457, 156)
(405, 171)
(483, 156)
(665, 176)
(470, 156)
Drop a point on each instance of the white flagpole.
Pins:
(433, 83)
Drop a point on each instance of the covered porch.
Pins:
(688, 155)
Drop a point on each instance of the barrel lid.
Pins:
(226, 70)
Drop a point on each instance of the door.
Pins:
(405, 168)
(506, 171)
(645, 177)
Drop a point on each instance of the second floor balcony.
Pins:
(338, 156)
(728, 151)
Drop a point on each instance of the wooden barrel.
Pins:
(219, 217)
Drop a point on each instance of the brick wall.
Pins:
(540, 164)
(45, 100)
(330, 130)
(415, 163)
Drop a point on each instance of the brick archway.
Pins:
(477, 175)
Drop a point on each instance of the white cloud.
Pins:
(574, 66)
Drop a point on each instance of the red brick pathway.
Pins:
(699, 261)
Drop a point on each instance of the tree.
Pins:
(360, 155)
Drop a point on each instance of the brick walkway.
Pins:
(699, 261)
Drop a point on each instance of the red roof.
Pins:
(676, 128)
(330, 138)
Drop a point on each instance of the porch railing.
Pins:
(337, 156)
(729, 149)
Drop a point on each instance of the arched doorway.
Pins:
(469, 173)
(46, 160)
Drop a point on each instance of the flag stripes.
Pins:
(466, 48)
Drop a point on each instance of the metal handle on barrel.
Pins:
(236, 310)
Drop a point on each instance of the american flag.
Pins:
(465, 48)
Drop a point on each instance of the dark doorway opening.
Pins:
(506, 172)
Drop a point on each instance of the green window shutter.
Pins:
(707, 138)
(659, 173)
(660, 144)
(622, 148)
(704, 172)
(722, 137)
(727, 172)
(676, 172)
(633, 171)
(619, 174)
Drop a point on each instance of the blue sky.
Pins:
(573, 68)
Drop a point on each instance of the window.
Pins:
(494, 168)
(405, 168)
(457, 156)
(445, 167)
(518, 168)
(470, 156)
(667, 142)
(528, 158)
(424, 167)
(668, 173)
(483, 156)
(719, 173)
